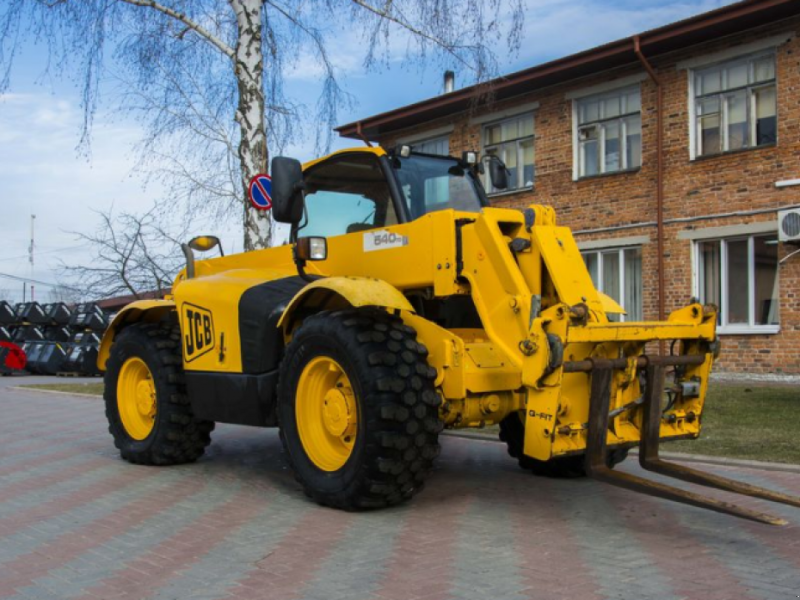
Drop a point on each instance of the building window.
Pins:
(735, 105)
(740, 276)
(439, 145)
(512, 141)
(617, 272)
(609, 132)
(436, 187)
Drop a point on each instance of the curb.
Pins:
(677, 456)
(22, 388)
(754, 379)
(728, 462)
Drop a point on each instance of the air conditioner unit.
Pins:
(789, 225)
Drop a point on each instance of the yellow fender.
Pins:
(148, 311)
(352, 291)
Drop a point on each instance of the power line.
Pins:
(37, 282)
(21, 256)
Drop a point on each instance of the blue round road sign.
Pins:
(261, 191)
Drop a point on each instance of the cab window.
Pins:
(430, 183)
(346, 194)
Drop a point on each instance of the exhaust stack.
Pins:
(449, 81)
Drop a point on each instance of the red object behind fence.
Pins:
(15, 357)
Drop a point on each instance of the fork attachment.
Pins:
(596, 451)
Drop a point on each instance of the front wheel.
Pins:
(357, 409)
(147, 408)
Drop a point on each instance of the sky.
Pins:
(43, 173)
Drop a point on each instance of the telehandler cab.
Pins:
(409, 305)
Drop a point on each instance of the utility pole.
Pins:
(30, 249)
(30, 253)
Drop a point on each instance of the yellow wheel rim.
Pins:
(136, 398)
(327, 413)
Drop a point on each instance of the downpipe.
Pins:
(659, 180)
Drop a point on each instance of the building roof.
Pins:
(119, 302)
(723, 21)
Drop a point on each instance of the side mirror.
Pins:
(200, 243)
(287, 190)
(498, 173)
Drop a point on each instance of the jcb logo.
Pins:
(197, 330)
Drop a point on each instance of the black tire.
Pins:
(398, 409)
(512, 432)
(177, 437)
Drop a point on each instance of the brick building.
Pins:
(684, 137)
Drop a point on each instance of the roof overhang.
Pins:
(727, 20)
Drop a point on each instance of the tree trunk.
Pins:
(250, 115)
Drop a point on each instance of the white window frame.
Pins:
(520, 184)
(620, 251)
(621, 119)
(737, 328)
(750, 89)
(438, 138)
(426, 136)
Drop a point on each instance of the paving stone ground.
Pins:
(77, 522)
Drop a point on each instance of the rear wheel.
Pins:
(512, 432)
(147, 408)
(357, 409)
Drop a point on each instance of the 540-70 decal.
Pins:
(197, 330)
(383, 240)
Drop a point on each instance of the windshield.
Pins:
(430, 183)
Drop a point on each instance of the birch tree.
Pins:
(207, 76)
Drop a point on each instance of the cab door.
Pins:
(345, 194)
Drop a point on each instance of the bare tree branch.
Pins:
(190, 24)
(132, 254)
(388, 14)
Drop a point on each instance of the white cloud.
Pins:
(41, 173)
(346, 57)
(554, 28)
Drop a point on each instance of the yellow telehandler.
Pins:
(404, 305)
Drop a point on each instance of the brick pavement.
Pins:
(76, 522)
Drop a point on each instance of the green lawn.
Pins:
(750, 421)
(74, 388)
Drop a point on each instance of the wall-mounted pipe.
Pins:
(360, 134)
(659, 175)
